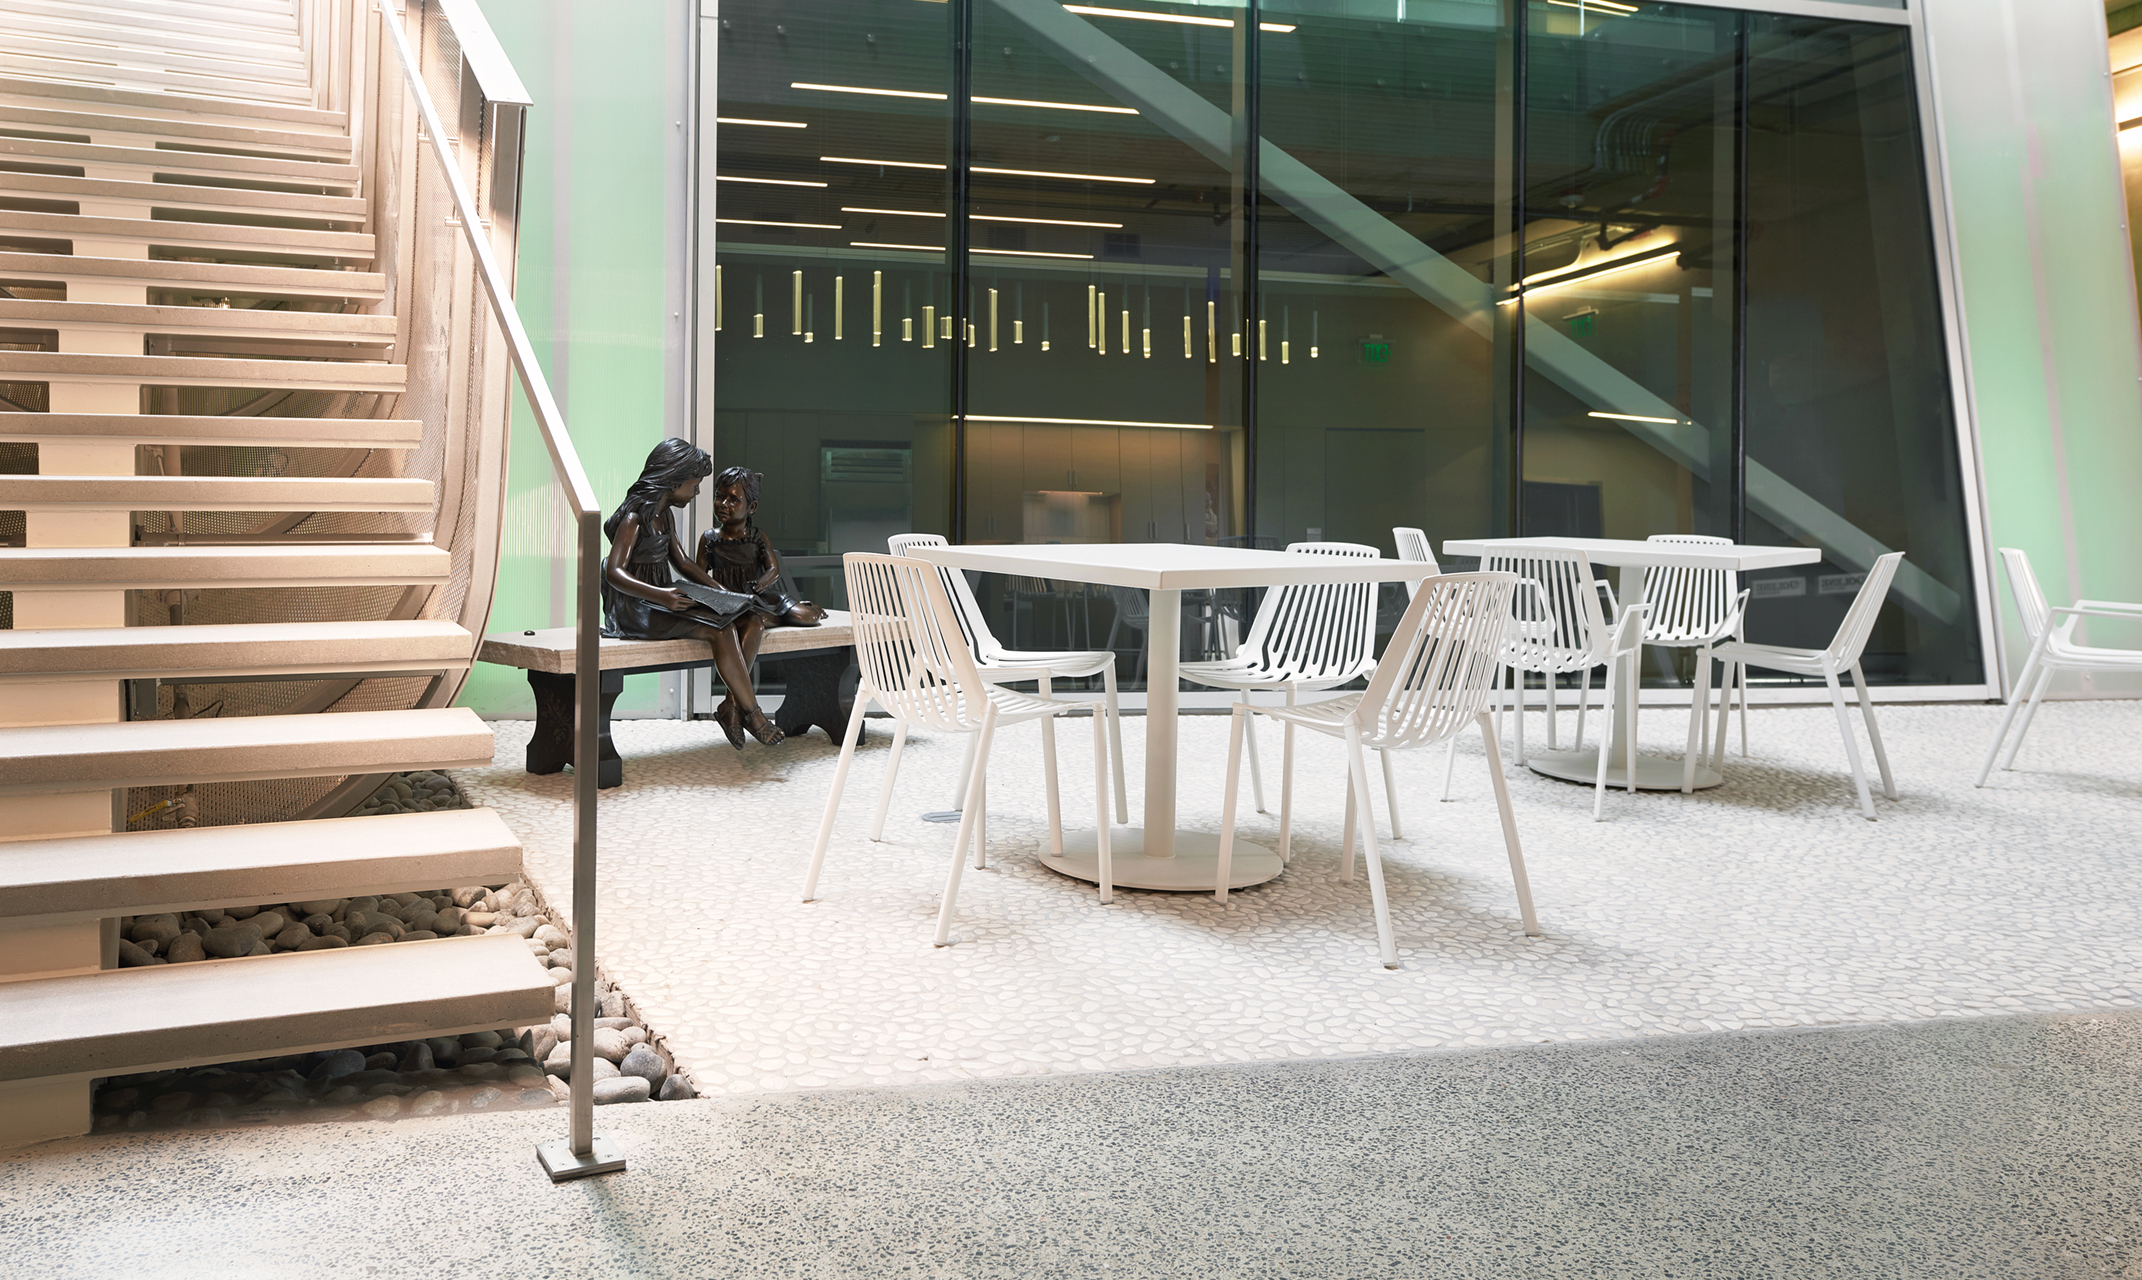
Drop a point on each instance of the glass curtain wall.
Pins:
(1493, 266)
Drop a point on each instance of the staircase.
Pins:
(242, 463)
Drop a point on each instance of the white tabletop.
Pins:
(1170, 566)
(1632, 553)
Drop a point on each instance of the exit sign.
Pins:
(1374, 350)
(1583, 324)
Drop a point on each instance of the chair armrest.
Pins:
(1010, 675)
(2119, 606)
(2073, 611)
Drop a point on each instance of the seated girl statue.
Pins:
(736, 556)
(639, 588)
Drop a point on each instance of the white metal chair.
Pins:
(996, 662)
(1626, 641)
(915, 665)
(1696, 609)
(1557, 627)
(1305, 637)
(1841, 656)
(1431, 685)
(2052, 649)
(1413, 545)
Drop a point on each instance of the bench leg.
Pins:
(813, 698)
(550, 747)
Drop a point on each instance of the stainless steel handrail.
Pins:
(578, 1155)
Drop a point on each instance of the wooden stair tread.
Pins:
(255, 322)
(202, 371)
(213, 493)
(164, 160)
(134, 653)
(352, 245)
(247, 279)
(324, 433)
(254, 565)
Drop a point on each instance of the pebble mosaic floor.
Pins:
(1765, 903)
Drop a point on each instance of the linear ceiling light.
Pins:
(890, 164)
(2125, 125)
(873, 244)
(1074, 177)
(756, 222)
(939, 97)
(1045, 222)
(1028, 253)
(1631, 417)
(771, 124)
(1055, 106)
(1094, 12)
(771, 182)
(902, 213)
(881, 93)
(1089, 422)
(1600, 6)
(1541, 284)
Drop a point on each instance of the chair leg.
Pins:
(1741, 669)
(970, 824)
(979, 796)
(892, 770)
(1725, 708)
(1874, 732)
(1103, 861)
(1851, 746)
(1256, 774)
(1509, 838)
(1450, 760)
(1584, 697)
(1699, 715)
(1227, 803)
(1636, 673)
(2030, 713)
(2026, 681)
(1517, 681)
(1115, 739)
(1357, 779)
(966, 772)
(1609, 697)
(1553, 712)
(1048, 769)
(1346, 842)
(840, 781)
(1390, 794)
(1286, 794)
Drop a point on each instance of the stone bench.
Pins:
(813, 661)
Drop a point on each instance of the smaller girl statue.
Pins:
(736, 556)
(639, 592)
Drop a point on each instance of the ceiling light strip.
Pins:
(1045, 222)
(874, 244)
(1072, 177)
(1055, 106)
(770, 124)
(877, 93)
(756, 222)
(1087, 422)
(940, 97)
(768, 182)
(1589, 274)
(890, 164)
(1094, 11)
(1607, 7)
(1029, 253)
(1633, 417)
(900, 213)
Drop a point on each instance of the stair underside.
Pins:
(249, 137)
(146, 79)
(254, 565)
(234, 649)
(319, 173)
(202, 371)
(164, 233)
(264, 79)
(186, 869)
(176, 104)
(212, 493)
(202, 50)
(318, 433)
(128, 1020)
(266, 648)
(184, 197)
(243, 279)
(223, 322)
(42, 759)
(101, 17)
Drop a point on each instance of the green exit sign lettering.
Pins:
(1374, 350)
(1583, 324)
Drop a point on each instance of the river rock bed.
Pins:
(507, 1069)
(424, 791)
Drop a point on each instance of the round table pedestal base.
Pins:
(1652, 773)
(1193, 869)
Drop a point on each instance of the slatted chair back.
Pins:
(1558, 624)
(973, 623)
(1413, 546)
(1689, 607)
(1858, 622)
(1437, 671)
(1322, 631)
(914, 661)
(2030, 597)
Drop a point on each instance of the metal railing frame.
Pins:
(581, 1153)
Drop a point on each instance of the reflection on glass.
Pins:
(1850, 415)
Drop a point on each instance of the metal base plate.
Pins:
(562, 1165)
(1193, 869)
(1652, 772)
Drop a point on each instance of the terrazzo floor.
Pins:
(1765, 903)
(1960, 1149)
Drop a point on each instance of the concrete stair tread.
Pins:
(202, 371)
(95, 18)
(126, 1020)
(175, 102)
(143, 79)
(185, 869)
(253, 322)
(131, 42)
(187, 197)
(322, 433)
(277, 77)
(263, 648)
(354, 246)
(161, 160)
(43, 759)
(246, 279)
(250, 137)
(212, 493)
(252, 565)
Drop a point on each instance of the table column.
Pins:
(1164, 622)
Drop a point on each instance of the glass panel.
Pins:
(1628, 273)
(1104, 396)
(1851, 434)
(1383, 244)
(830, 374)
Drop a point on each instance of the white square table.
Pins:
(1158, 856)
(1632, 558)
